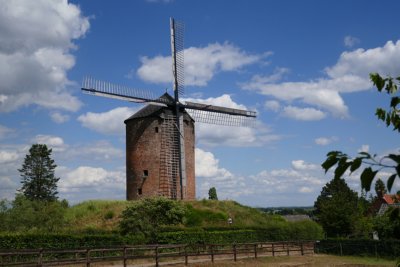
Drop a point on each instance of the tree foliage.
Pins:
(37, 172)
(373, 164)
(212, 194)
(380, 188)
(25, 215)
(388, 225)
(336, 208)
(148, 215)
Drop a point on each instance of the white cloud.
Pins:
(349, 74)
(269, 188)
(208, 166)
(364, 148)
(54, 142)
(33, 61)
(303, 114)
(8, 156)
(109, 122)
(305, 189)
(323, 141)
(350, 41)
(276, 76)
(99, 151)
(301, 165)
(272, 105)
(58, 117)
(212, 135)
(92, 182)
(201, 64)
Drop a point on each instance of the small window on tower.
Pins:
(145, 173)
(156, 129)
(139, 191)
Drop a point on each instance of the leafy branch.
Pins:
(375, 164)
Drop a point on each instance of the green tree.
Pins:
(380, 188)
(148, 215)
(388, 225)
(336, 208)
(373, 164)
(37, 172)
(212, 193)
(24, 215)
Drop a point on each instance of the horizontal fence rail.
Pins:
(152, 253)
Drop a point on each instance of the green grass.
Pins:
(212, 213)
(104, 215)
(95, 215)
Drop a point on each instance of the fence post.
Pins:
(255, 251)
(156, 256)
(234, 252)
(212, 253)
(376, 250)
(287, 248)
(40, 260)
(125, 259)
(273, 250)
(186, 256)
(341, 249)
(87, 257)
(302, 249)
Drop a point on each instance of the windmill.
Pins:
(172, 175)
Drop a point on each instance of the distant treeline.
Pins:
(288, 210)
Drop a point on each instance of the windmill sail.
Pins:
(110, 90)
(177, 51)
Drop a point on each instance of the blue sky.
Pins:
(302, 65)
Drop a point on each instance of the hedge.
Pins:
(280, 232)
(360, 247)
(61, 241)
(305, 230)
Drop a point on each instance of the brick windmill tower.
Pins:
(160, 137)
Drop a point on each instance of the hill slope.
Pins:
(104, 215)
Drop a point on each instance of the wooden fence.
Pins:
(156, 254)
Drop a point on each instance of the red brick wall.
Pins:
(143, 146)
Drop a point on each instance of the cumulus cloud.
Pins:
(350, 41)
(272, 105)
(268, 187)
(212, 135)
(302, 165)
(99, 151)
(109, 122)
(208, 166)
(349, 74)
(35, 58)
(201, 64)
(91, 182)
(323, 141)
(58, 117)
(303, 114)
(54, 142)
(8, 156)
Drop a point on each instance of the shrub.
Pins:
(146, 216)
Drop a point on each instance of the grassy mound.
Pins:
(104, 215)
